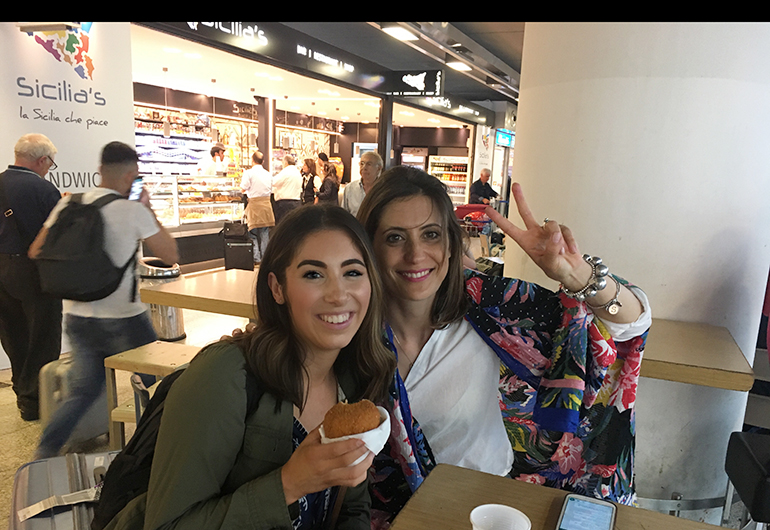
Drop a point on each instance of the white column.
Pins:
(651, 142)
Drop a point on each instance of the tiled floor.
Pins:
(18, 438)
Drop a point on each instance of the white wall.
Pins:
(650, 142)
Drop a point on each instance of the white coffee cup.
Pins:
(499, 517)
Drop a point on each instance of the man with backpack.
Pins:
(30, 321)
(119, 321)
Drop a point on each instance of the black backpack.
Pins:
(72, 262)
(129, 473)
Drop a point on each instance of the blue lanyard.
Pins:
(403, 399)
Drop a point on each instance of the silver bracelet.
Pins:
(614, 305)
(595, 283)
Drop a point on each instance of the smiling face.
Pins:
(327, 291)
(412, 250)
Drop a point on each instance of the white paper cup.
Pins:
(499, 517)
(374, 439)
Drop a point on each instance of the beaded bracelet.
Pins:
(596, 282)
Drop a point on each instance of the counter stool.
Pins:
(748, 468)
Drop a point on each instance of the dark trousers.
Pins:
(283, 207)
(30, 326)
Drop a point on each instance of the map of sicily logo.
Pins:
(69, 46)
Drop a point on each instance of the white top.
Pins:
(453, 393)
(353, 196)
(257, 182)
(213, 167)
(287, 184)
(125, 224)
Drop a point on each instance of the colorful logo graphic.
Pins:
(69, 46)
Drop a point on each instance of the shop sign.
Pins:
(424, 83)
(282, 46)
(458, 108)
(504, 138)
(72, 85)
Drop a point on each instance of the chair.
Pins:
(748, 468)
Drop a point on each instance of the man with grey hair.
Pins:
(481, 191)
(30, 321)
(354, 193)
(287, 188)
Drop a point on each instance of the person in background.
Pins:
(287, 189)
(217, 164)
(329, 190)
(497, 374)
(257, 184)
(354, 193)
(311, 182)
(120, 321)
(317, 342)
(320, 163)
(481, 191)
(30, 321)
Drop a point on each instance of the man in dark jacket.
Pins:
(30, 322)
(481, 191)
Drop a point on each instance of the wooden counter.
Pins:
(699, 354)
(448, 495)
(228, 292)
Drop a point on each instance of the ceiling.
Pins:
(193, 67)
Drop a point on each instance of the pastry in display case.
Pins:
(180, 200)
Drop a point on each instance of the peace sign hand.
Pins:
(551, 246)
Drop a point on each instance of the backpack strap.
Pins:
(100, 203)
(105, 200)
(7, 212)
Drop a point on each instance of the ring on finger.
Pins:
(546, 220)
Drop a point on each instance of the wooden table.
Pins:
(700, 354)
(157, 358)
(228, 292)
(448, 495)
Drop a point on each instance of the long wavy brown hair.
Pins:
(272, 350)
(404, 182)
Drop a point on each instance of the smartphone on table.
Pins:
(586, 513)
(136, 189)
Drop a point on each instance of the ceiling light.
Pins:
(434, 120)
(193, 55)
(344, 117)
(372, 104)
(172, 50)
(328, 92)
(400, 33)
(459, 66)
(406, 113)
(321, 113)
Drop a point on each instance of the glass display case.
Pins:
(185, 200)
(452, 171)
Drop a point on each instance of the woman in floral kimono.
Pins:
(498, 374)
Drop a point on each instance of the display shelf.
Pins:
(183, 200)
(453, 172)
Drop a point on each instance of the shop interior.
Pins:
(189, 96)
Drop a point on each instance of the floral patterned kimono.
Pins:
(567, 398)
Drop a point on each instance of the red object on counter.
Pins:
(464, 209)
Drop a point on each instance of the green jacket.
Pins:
(213, 467)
